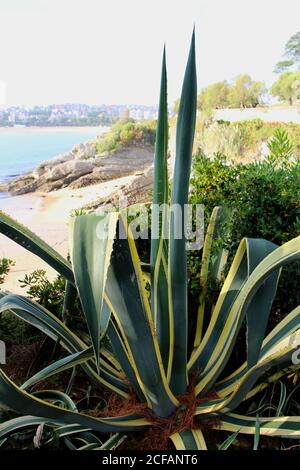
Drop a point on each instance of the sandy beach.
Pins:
(47, 215)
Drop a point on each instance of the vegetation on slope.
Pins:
(125, 134)
(242, 140)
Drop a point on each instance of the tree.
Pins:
(283, 65)
(292, 53)
(246, 93)
(292, 48)
(243, 93)
(287, 87)
(214, 96)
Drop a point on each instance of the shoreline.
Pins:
(47, 215)
(95, 132)
(46, 207)
(41, 129)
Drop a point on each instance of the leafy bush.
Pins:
(242, 93)
(124, 134)
(5, 265)
(281, 148)
(47, 293)
(14, 331)
(51, 295)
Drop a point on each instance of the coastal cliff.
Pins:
(82, 166)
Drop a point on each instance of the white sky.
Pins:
(109, 51)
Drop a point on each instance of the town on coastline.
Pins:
(73, 114)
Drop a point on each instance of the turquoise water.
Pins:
(22, 151)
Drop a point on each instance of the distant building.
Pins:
(12, 118)
(67, 113)
(137, 114)
(124, 114)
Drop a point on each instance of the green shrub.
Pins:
(13, 330)
(47, 293)
(124, 134)
(281, 148)
(51, 295)
(5, 265)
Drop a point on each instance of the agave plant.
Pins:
(179, 381)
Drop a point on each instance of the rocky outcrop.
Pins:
(81, 167)
(138, 191)
(69, 170)
(122, 163)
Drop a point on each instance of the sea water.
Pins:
(22, 150)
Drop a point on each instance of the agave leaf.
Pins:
(281, 356)
(227, 316)
(49, 324)
(127, 299)
(56, 397)
(12, 397)
(124, 359)
(283, 255)
(283, 426)
(113, 442)
(158, 256)
(257, 433)
(31, 242)
(286, 327)
(272, 377)
(213, 229)
(84, 440)
(249, 254)
(80, 431)
(190, 439)
(70, 429)
(257, 318)
(16, 424)
(230, 440)
(38, 316)
(282, 398)
(91, 239)
(177, 267)
(59, 366)
(160, 181)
